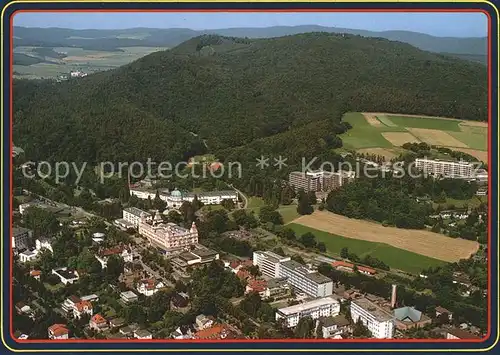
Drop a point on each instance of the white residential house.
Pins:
(58, 332)
(204, 322)
(66, 275)
(125, 253)
(128, 297)
(28, 255)
(44, 243)
(149, 287)
(81, 308)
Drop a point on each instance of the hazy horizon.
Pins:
(460, 25)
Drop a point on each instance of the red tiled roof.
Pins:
(248, 262)
(243, 274)
(81, 305)
(150, 284)
(234, 264)
(74, 299)
(340, 263)
(213, 332)
(98, 319)
(35, 273)
(58, 329)
(112, 251)
(257, 285)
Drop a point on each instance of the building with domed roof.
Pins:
(168, 236)
(176, 198)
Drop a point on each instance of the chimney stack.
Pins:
(393, 296)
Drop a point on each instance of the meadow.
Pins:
(384, 134)
(396, 258)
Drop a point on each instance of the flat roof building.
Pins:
(378, 321)
(447, 169)
(323, 307)
(320, 180)
(299, 276)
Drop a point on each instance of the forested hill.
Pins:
(232, 91)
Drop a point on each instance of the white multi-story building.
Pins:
(168, 235)
(306, 280)
(175, 198)
(133, 215)
(143, 194)
(299, 276)
(378, 321)
(319, 180)
(323, 307)
(444, 168)
(269, 262)
(21, 237)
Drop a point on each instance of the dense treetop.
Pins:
(232, 91)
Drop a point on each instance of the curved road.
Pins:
(245, 200)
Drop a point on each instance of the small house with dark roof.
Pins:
(441, 310)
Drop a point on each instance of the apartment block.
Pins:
(323, 307)
(319, 181)
(447, 169)
(308, 281)
(299, 276)
(378, 321)
(21, 237)
(269, 262)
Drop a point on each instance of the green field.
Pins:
(363, 135)
(289, 213)
(396, 258)
(387, 121)
(255, 202)
(425, 122)
(474, 137)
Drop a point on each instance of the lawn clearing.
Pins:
(400, 138)
(386, 121)
(255, 202)
(421, 242)
(396, 258)
(289, 213)
(362, 134)
(425, 122)
(436, 137)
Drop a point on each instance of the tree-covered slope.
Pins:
(233, 91)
